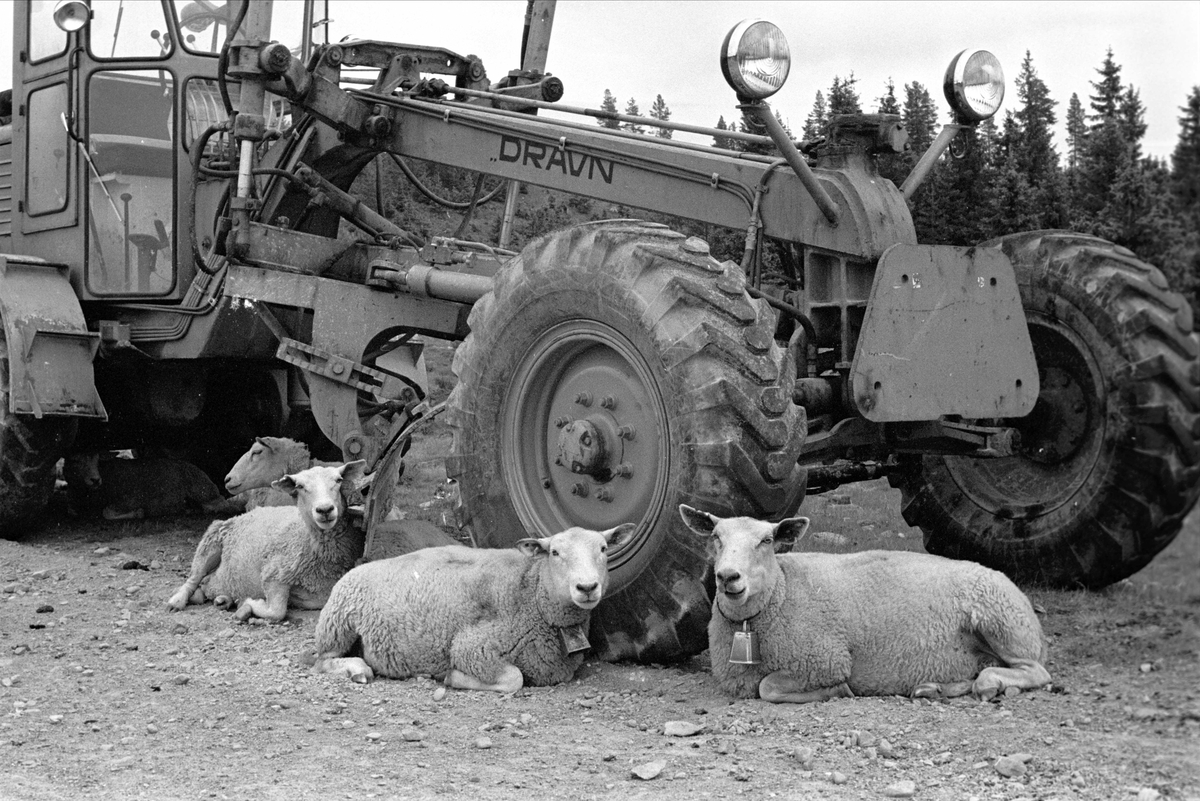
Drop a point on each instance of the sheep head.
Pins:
(743, 553)
(317, 491)
(265, 462)
(575, 568)
(82, 470)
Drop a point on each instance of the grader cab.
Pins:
(182, 263)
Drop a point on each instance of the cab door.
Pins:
(45, 159)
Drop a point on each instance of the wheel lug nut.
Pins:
(560, 422)
(604, 495)
(579, 489)
(624, 470)
(609, 402)
(626, 432)
(547, 483)
(584, 399)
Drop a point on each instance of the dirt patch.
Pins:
(104, 694)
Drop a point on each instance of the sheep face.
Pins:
(257, 467)
(317, 491)
(82, 470)
(743, 553)
(576, 566)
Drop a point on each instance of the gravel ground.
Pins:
(104, 694)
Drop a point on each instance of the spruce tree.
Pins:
(888, 104)
(1131, 116)
(1076, 131)
(1185, 161)
(609, 103)
(724, 142)
(843, 97)
(814, 125)
(659, 111)
(1107, 99)
(920, 120)
(1031, 148)
(920, 117)
(631, 109)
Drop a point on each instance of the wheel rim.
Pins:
(584, 437)
(1061, 439)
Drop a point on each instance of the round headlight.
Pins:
(755, 59)
(974, 85)
(71, 15)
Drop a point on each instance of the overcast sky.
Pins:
(640, 49)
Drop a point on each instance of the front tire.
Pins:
(29, 449)
(615, 371)
(1109, 463)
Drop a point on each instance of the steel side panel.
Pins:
(944, 333)
(346, 315)
(50, 349)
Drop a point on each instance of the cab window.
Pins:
(204, 24)
(130, 188)
(122, 29)
(45, 39)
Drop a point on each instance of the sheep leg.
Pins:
(352, 667)
(114, 512)
(932, 689)
(206, 559)
(1023, 674)
(273, 608)
(784, 687)
(508, 680)
(475, 657)
(1013, 635)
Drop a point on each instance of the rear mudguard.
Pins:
(944, 333)
(50, 349)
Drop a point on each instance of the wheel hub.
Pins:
(572, 454)
(583, 447)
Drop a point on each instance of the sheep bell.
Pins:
(744, 650)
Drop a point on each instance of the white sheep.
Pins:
(125, 489)
(269, 459)
(868, 623)
(479, 619)
(274, 557)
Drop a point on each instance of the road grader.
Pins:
(182, 265)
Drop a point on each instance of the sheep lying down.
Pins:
(482, 619)
(868, 623)
(276, 557)
(127, 489)
(269, 459)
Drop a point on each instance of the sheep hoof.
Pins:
(927, 690)
(987, 693)
(223, 602)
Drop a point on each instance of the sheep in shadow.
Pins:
(868, 623)
(127, 489)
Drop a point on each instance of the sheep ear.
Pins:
(266, 442)
(788, 532)
(620, 534)
(700, 522)
(287, 484)
(534, 547)
(353, 471)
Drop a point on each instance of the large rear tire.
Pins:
(29, 449)
(1109, 462)
(615, 371)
